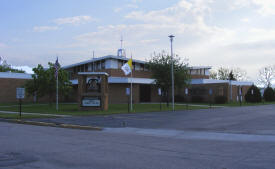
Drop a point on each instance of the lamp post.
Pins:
(172, 72)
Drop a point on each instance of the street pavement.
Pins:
(248, 120)
(222, 138)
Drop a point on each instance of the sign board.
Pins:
(240, 90)
(127, 91)
(20, 93)
(186, 91)
(90, 102)
(210, 91)
(159, 91)
(252, 91)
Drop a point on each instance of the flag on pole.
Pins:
(56, 66)
(127, 67)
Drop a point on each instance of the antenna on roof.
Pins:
(121, 41)
(121, 52)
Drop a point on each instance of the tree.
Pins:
(266, 75)
(160, 66)
(5, 67)
(43, 82)
(269, 94)
(253, 95)
(228, 74)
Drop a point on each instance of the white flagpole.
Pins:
(57, 92)
(132, 85)
(57, 85)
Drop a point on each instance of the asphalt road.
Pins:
(242, 138)
(248, 120)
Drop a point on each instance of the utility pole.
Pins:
(172, 72)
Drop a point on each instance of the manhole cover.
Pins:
(12, 159)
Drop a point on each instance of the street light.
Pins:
(172, 72)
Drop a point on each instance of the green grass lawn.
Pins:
(72, 109)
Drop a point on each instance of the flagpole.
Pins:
(57, 92)
(56, 74)
(131, 87)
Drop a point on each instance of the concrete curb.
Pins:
(71, 126)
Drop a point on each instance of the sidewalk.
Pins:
(185, 104)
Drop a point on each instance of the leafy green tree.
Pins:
(228, 74)
(160, 66)
(43, 82)
(231, 76)
(269, 94)
(5, 67)
(253, 95)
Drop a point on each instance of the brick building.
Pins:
(8, 84)
(144, 89)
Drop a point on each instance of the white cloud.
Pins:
(263, 7)
(27, 69)
(45, 28)
(75, 20)
(127, 6)
(2, 45)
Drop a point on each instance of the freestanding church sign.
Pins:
(93, 90)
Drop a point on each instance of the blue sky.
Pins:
(235, 33)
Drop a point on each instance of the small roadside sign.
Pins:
(210, 91)
(20, 93)
(159, 91)
(186, 91)
(127, 91)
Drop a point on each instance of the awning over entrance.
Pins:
(124, 80)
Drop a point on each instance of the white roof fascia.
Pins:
(15, 75)
(200, 67)
(124, 80)
(93, 73)
(102, 58)
(214, 81)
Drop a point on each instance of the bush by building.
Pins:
(220, 99)
(269, 94)
(253, 95)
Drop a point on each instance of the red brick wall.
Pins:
(8, 90)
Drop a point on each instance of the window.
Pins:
(86, 67)
(120, 63)
(221, 91)
(103, 64)
(141, 66)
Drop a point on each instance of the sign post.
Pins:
(20, 94)
(159, 93)
(210, 100)
(240, 95)
(186, 93)
(128, 94)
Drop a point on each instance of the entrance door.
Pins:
(145, 93)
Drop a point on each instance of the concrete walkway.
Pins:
(40, 114)
(185, 104)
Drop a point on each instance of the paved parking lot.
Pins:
(223, 138)
(252, 119)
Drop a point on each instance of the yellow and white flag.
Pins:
(127, 67)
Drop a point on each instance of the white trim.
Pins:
(102, 58)
(200, 67)
(214, 81)
(93, 73)
(10, 75)
(126, 80)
